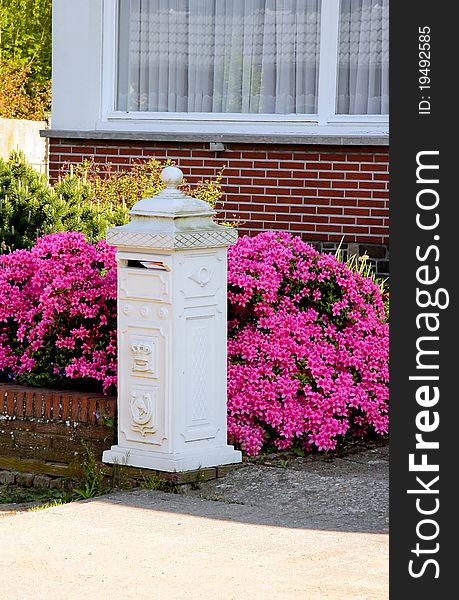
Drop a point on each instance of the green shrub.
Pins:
(119, 189)
(76, 208)
(83, 199)
(123, 189)
(25, 203)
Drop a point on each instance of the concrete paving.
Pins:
(230, 540)
(347, 493)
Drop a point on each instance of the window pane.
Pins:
(244, 56)
(363, 63)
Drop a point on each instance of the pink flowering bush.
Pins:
(308, 347)
(58, 312)
(307, 337)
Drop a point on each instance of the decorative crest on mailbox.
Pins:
(202, 276)
(143, 356)
(142, 411)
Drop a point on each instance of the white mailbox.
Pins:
(172, 280)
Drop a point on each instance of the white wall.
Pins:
(21, 134)
(77, 63)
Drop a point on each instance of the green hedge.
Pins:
(82, 200)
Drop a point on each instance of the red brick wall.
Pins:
(320, 192)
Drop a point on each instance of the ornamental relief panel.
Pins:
(199, 275)
(144, 357)
(144, 285)
(142, 405)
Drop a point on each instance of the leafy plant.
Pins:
(111, 188)
(25, 59)
(361, 265)
(154, 482)
(25, 203)
(49, 504)
(14, 494)
(93, 484)
(121, 475)
(20, 96)
(209, 190)
(25, 35)
(107, 420)
(29, 207)
(199, 480)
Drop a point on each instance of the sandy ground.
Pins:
(312, 531)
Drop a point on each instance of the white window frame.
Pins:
(326, 119)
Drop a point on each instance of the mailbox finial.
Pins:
(171, 176)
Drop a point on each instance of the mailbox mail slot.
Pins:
(154, 265)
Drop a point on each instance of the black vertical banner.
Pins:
(424, 310)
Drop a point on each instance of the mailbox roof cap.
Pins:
(171, 221)
(172, 202)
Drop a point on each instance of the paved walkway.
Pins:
(241, 544)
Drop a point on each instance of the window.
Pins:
(363, 58)
(246, 56)
(317, 61)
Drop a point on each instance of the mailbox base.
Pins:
(172, 463)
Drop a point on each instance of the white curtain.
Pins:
(221, 56)
(363, 71)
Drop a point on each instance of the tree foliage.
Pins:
(20, 97)
(25, 36)
(25, 59)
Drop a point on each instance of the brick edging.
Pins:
(47, 432)
(54, 405)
